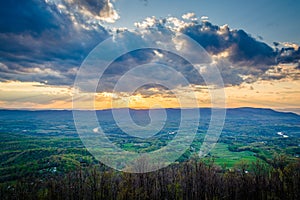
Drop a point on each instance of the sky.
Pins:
(273, 20)
(252, 45)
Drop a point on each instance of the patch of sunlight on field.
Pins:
(225, 158)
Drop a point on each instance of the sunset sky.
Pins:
(254, 44)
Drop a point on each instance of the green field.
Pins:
(224, 157)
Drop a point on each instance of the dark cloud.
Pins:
(141, 57)
(206, 35)
(289, 55)
(37, 37)
(244, 49)
(31, 16)
(87, 11)
(94, 6)
(252, 52)
(45, 73)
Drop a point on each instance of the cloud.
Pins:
(15, 94)
(244, 49)
(189, 15)
(39, 42)
(26, 16)
(282, 71)
(228, 48)
(204, 18)
(239, 56)
(289, 55)
(87, 11)
(158, 60)
(45, 73)
(46, 41)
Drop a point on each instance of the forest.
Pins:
(192, 179)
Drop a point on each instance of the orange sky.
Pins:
(279, 94)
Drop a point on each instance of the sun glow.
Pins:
(33, 95)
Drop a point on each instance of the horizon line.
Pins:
(286, 110)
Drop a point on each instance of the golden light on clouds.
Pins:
(34, 95)
(269, 94)
(277, 94)
(136, 101)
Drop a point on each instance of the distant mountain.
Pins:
(264, 111)
(244, 112)
(260, 112)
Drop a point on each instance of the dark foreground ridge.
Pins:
(187, 180)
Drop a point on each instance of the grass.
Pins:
(223, 157)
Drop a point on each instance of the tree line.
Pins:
(192, 179)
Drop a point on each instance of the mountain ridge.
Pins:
(238, 109)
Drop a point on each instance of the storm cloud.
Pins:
(41, 43)
(243, 48)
